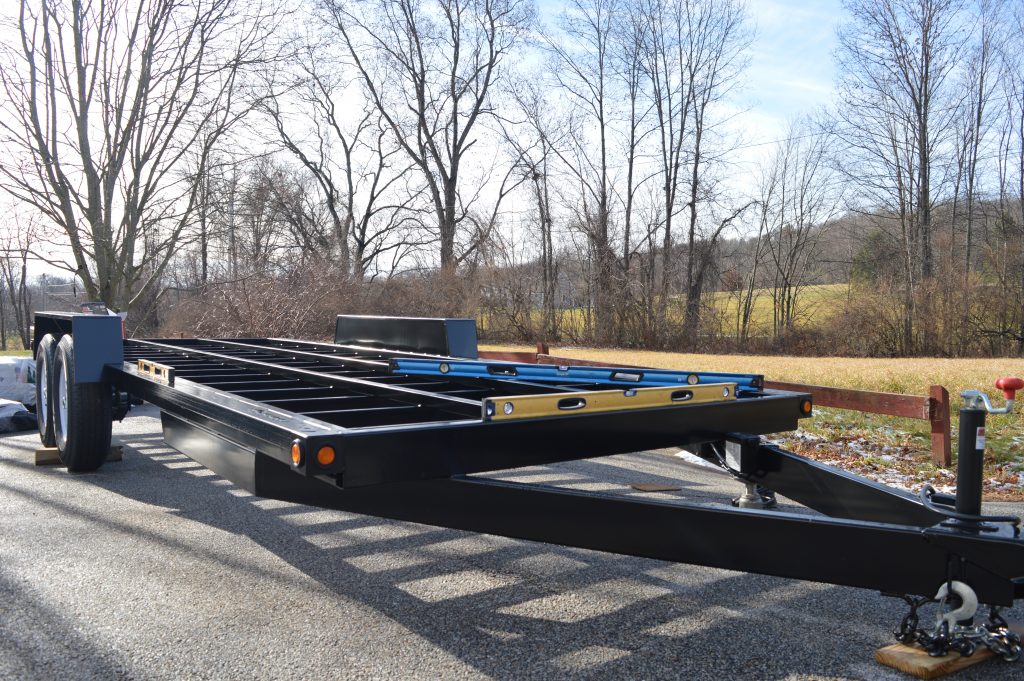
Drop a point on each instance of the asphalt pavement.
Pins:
(156, 568)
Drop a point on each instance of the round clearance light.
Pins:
(693, 379)
(805, 406)
(325, 455)
(296, 454)
(508, 408)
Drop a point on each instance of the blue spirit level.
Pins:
(553, 373)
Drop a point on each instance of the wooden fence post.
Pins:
(939, 416)
(542, 348)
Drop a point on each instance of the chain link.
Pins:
(994, 634)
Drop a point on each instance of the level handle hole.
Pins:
(502, 371)
(682, 395)
(570, 403)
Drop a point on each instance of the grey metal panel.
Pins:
(461, 338)
(98, 342)
(430, 335)
(55, 323)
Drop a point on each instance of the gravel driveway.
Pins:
(155, 568)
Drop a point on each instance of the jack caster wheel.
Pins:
(81, 414)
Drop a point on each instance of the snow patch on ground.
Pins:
(895, 466)
(17, 380)
(694, 459)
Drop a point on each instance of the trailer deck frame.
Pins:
(413, 446)
(270, 406)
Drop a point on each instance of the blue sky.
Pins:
(791, 70)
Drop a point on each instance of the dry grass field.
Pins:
(814, 305)
(892, 450)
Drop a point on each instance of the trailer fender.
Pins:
(98, 341)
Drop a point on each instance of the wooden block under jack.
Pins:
(50, 456)
(916, 661)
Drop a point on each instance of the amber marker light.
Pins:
(805, 406)
(296, 454)
(325, 455)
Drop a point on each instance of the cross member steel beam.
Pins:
(313, 376)
(327, 358)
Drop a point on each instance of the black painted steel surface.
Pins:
(388, 428)
(406, 444)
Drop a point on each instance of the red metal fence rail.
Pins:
(933, 407)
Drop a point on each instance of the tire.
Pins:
(45, 356)
(81, 414)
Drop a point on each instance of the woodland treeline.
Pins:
(248, 166)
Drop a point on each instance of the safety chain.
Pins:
(964, 639)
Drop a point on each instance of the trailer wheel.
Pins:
(81, 414)
(45, 355)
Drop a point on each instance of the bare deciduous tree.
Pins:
(716, 40)
(582, 60)
(15, 252)
(112, 111)
(362, 176)
(666, 58)
(978, 87)
(533, 138)
(803, 200)
(895, 62)
(1011, 171)
(430, 68)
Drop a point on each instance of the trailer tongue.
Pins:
(399, 419)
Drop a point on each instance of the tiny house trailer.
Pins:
(398, 419)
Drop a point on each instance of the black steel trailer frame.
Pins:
(259, 411)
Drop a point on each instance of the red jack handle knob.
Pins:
(1010, 386)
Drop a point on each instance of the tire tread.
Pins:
(87, 442)
(46, 353)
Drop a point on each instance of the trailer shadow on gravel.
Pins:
(516, 609)
(510, 609)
